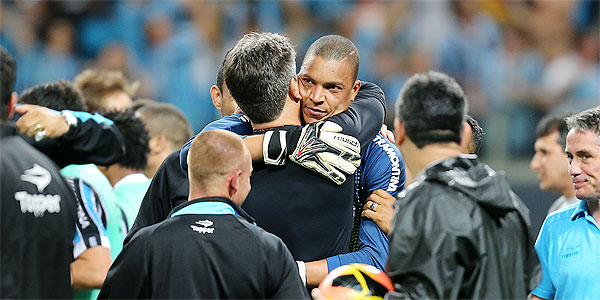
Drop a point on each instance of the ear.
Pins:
(234, 182)
(399, 132)
(294, 92)
(217, 96)
(158, 143)
(355, 89)
(11, 103)
(466, 134)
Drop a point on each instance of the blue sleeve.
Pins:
(382, 167)
(90, 229)
(236, 123)
(374, 248)
(546, 288)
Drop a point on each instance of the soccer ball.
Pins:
(355, 281)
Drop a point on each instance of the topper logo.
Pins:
(205, 229)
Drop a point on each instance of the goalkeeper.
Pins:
(311, 215)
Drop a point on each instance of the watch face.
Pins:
(70, 118)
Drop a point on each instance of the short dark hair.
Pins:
(432, 107)
(335, 47)
(135, 136)
(258, 71)
(587, 120)
(7, 77)
(552, 123)
(57, 95)
(220, 75)
(477, 133)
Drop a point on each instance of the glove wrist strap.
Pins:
(275, 147)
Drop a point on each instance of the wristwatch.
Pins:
(70, 118)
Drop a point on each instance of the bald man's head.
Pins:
(219, 165)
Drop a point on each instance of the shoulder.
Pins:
(560, 216)
(267, 240)
(237, 123)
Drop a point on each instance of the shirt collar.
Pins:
(212, 206)
(580, 211)
(132, 178)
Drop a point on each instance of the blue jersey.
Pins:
(382, 167)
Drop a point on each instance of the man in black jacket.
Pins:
(37, 211)
(208, 247)
(459, 230)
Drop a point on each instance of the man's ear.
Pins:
(399, 132)
(355, 89)
(234, 182)
(158, 143)
(217, 96)
(294, 92)
(466, 134)
(11, 103)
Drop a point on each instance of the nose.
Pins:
(535, 162)
(317, 95)
(574, 168)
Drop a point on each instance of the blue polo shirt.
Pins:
(568, 247)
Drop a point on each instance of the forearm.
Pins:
(89, 270)
(254, 144)
(315, 272)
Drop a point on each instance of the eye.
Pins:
(307, 81)
(569, 157)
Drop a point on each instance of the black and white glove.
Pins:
(318, 146)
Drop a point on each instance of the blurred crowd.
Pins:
(517, 60)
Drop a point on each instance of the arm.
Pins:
(546, 288)
(88, 139)
(366, 113)
(91, 246)
(89, 269)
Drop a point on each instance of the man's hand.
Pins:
(40, 122)
(322, 148)
(380, 208)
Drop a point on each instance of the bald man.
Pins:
(208, 247)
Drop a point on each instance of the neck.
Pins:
(418, 158)
(594, 209)
(198, 192)
(114, 173)
(289, 116)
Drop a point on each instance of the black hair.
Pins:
(552, 123)
(258, 71)
(432, 107)
(7, 78)
(135, 136)
(57, 95)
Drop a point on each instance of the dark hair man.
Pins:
(126, 175)
(550, 162)
(168, 128)
(458, 208)
(38, 211)
(568, 242)
(211, 246)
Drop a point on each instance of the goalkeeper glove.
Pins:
(318, 146)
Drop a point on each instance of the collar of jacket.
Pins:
(210, 206)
